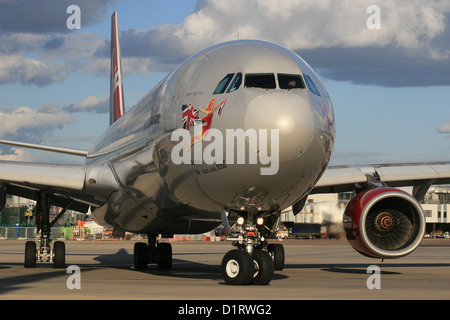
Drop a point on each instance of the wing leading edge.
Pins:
(81, 185)
(418, 175)
(73, 152)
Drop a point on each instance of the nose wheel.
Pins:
(237, 267)
(254, 261)
(241, 268)
(264, 267)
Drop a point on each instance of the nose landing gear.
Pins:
(254, 261)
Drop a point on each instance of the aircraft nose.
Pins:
(290, 114)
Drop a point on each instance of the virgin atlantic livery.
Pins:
(232, 136)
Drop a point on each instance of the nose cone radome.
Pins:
(290, 114)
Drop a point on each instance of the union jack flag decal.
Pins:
(189, 115)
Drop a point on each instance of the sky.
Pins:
(389, 85)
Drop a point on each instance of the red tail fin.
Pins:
(116, 102)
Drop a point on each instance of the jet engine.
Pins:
(384, 223)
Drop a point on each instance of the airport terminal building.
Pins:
(436, 205)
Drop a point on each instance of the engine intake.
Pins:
(384, 223)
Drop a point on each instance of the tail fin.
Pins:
(116, 101)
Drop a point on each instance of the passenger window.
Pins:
(236, 83)
(290, 81)
(311, 85)
(260, 80)
(223, 84)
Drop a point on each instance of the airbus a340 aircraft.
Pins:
(232, 136)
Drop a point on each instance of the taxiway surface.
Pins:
(315, 269)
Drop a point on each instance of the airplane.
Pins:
(232, 136)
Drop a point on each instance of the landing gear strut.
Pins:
(41, 250)
(152, 252)
(254, 261)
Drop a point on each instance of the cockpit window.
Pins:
(290, 81)
(311, 85)
(236, 83)
(223, 84)
(260, 80)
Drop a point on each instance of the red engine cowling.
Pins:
(384, 223)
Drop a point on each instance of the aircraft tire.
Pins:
(164, 255)
(264, 267)
(140, 256)
(276, 250)
(30, 254)
(237, 267)
(59, 250)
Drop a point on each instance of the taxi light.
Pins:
(259, 221)
(240, 221)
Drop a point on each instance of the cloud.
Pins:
(156, 49)
(31, 125)
(19, 42)
(90, 104)
(445, 128)
(387, 66)
(15, 154)
(410, 49)
(311, 24)
(46, 16)
(42, 60)
(17, 68)
(38, 48)
(25, 124)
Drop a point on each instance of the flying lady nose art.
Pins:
(190, 114)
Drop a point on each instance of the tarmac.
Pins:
(314, 270)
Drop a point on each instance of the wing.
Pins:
(77, 185)
(418, 175)
(73, 152)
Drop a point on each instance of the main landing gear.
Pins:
(41, 250)
(152, 252)
(254, 260)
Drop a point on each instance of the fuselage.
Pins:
(261, 130)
